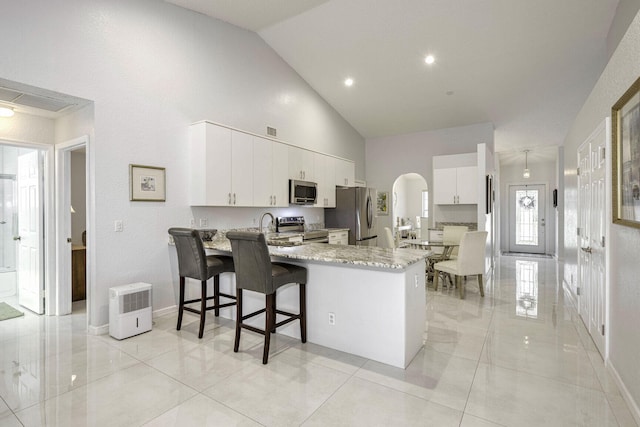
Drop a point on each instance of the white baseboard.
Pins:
(104, 329)
(632, 404)
(99, 330)
(165, 311)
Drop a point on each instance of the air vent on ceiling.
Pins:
(271, 131)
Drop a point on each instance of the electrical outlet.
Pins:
(203, 222)
(117, 226)
(332, 318)
(415, 280)
(192, 223)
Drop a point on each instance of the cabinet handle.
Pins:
(270, 200)
(229, 199)
(346, 181)
(234, 198)
(274, 200)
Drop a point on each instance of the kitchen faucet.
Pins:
(262, 218)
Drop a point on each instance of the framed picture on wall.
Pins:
(147, 183)
(383, 203)
(625, 143)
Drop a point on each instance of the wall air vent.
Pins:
(271, 131)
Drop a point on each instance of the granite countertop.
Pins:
(362, 256)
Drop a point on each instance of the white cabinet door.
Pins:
(270, 173)
(455, 186)
(241, 169)
(300, 164)
(329, 182)
(324, 175)
(345, 173)
(280, 175)
(221, 166)
(467, 185)
(210, 148)
(444, 186)
(262, 172)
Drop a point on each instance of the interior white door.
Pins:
(584, 231)
(30, 217)
(527, 216)
(592, 223)
(597, 240)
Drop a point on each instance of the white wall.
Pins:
(541, 173)
(151, 69)
(624, 339)
(389, 157)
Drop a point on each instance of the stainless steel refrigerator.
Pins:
(356, 210)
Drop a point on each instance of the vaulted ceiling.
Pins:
(526, 66)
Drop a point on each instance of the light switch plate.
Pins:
(117, 225)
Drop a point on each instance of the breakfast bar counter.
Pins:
(362, 300)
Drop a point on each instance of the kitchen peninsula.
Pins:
(366, 301)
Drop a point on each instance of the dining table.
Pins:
(432, 258)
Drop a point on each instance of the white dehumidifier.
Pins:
(129, 310)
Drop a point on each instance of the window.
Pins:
(425, 203)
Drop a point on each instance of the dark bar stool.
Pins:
(195, 264)
(255, 272)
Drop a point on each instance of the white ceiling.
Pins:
(526, 66)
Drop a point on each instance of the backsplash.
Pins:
(473, 226)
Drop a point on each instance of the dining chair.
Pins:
(386, 239)
(255, 272)
(470, 261)
(195, 264)
(453, 233)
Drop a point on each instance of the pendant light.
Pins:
(525, 173)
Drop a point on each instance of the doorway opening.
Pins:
(410, 207)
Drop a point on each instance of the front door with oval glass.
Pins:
(527, 208)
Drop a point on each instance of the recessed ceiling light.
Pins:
(449, 92)
(429, 59)
(348, 82)
(6, 112)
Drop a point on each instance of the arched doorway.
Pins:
(410, 203)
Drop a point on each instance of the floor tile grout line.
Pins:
(475, 373)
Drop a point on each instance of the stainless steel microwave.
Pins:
(302, 192)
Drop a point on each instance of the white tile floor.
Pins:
(518, 357)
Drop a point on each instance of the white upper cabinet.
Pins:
(301, 164)
(270, 173)
(324, 175)
(345, 175)
(455, 186)
(219, 172)
(234, 168)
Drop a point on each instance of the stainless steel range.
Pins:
(295, 224)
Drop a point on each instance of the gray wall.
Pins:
(389, 157)
(541, 173)
(151, 69)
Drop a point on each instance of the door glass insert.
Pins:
(527, 289)
(526, 217)
(8, 222)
